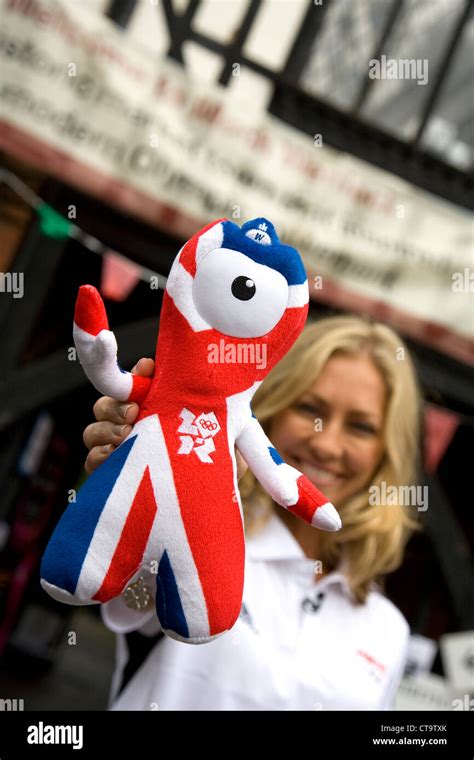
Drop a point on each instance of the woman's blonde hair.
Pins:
(373, 538)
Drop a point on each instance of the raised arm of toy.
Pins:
(97, 350)
(285, 484)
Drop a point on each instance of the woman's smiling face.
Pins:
(334, 432)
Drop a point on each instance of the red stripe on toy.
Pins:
(310, 499)
(211, 518)
(131, 546)
(90, 314)
(140, 388)
(188, 254)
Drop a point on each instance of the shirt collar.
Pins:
(275, 542)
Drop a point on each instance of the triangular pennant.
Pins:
(52, 224)
(119, 276)
(440, 427)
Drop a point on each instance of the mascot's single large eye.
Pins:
(237, 296)
(243, 288)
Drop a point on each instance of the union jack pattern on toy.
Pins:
(168, 496)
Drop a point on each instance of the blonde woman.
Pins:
(316, 631)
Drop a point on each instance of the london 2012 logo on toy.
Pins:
(200, 431)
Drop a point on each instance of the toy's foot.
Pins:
(326, 518)
(191, 640)
(181, 618)
(61, 595)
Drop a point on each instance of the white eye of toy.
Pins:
(237, 296)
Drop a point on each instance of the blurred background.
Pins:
(125, 126)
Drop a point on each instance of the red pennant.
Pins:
(440, 427)
(119, 276)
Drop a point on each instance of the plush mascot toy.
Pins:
(167, 498)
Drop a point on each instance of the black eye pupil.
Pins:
(243, 288)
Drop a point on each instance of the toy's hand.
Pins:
(97, 350)
(114, 422)
(285, 484)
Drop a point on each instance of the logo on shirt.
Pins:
(373, 667)
(312, 604)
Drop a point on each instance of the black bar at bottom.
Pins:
(374, 734)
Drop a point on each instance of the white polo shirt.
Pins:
(299, 644)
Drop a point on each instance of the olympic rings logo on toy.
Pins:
(207, 424)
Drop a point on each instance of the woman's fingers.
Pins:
(103, 433)
(102, 438)
(144, 368)
(96, 456)
(119, 412)
(114, 421)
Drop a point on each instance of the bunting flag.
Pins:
(119, 273)
(52, 224)
(119, 276)
(440, 427)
